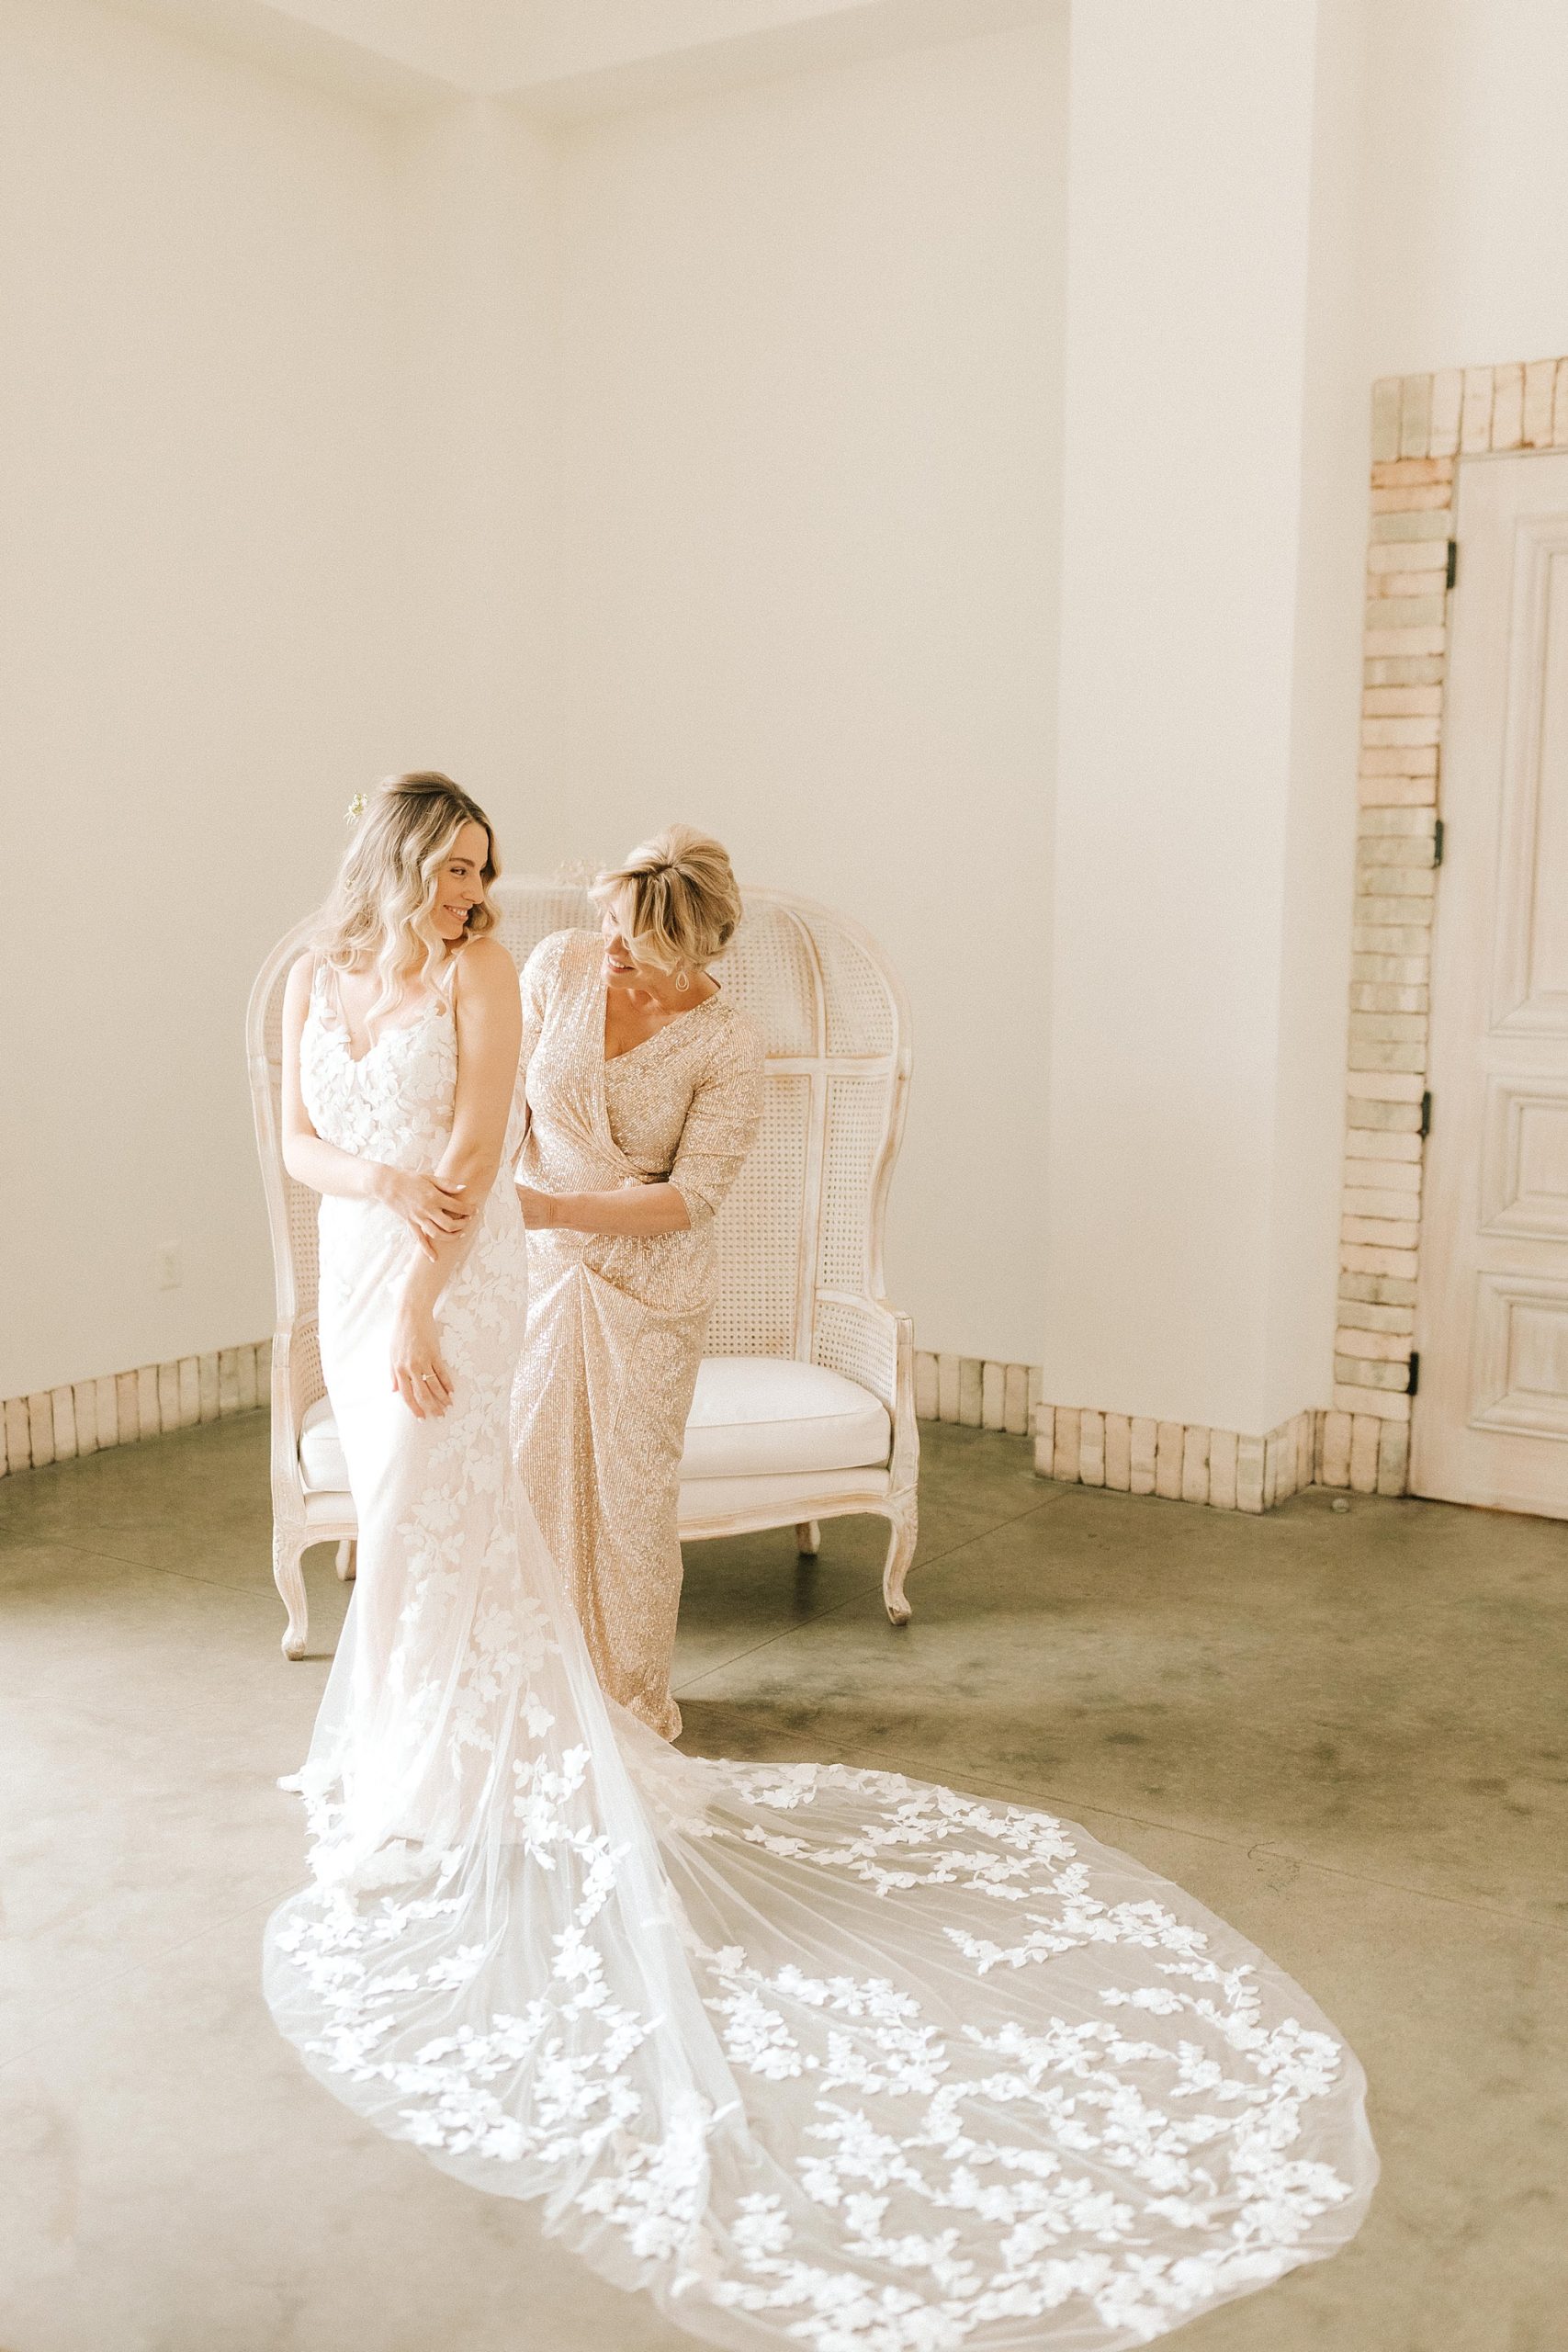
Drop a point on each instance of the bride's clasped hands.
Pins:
(433, 1212)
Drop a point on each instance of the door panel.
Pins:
(1521, 1355)
(1532, 913)
(1490, 1421)
(1524, 1175)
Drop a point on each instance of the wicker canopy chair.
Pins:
(805, 1404)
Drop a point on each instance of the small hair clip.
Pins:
(355, 809)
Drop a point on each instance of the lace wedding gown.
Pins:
(816, 2056)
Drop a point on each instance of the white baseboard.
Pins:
(1181, 1461)
(974, 1390)
(122, 1408)
(1359, 1452)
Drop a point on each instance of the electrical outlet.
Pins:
(167, 1265)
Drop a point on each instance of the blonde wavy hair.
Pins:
(675, 897)
(379, 915)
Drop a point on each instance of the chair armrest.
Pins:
(858, 1337)
(872, 1344)
(297, 1383)
(906, 1462)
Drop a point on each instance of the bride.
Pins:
(812, 2055)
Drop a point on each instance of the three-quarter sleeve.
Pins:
(536, 981)
(721, 1125)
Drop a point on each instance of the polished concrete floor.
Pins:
(1345, 1730)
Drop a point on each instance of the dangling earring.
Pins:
(683, 980)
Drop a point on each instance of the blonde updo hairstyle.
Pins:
(675, 898)
(380, 915)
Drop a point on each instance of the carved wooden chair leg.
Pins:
(348, 1560)
(808, 1538)
(900, 1553)
(289, 1575)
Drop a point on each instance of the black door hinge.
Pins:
(1426, 1126)
(1453, 563)
(1414, 1382)
(1437, 842)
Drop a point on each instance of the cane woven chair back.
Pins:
(800, 1237)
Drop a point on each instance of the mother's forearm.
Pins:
(638, 1210)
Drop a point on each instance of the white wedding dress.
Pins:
(815, 2056)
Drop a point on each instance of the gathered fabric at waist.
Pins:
(563, 1159)
(665, 1274)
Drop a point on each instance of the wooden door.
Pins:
(1490, 1419)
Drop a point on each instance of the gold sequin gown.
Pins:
(616, 1322)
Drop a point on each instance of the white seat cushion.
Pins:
(755, 1417)
(752, 1416)
(322, 1470)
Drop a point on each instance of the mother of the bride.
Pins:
(644, 1093)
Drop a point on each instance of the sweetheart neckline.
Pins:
(396, 1029)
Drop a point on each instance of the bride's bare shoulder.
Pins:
(485, 968)
(297, 988)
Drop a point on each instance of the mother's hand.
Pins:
(432, 1210)
(540, 1209)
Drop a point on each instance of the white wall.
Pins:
(476, 505)
(305, 481)
(810, 365)
(709, 461)
(1466, 201)
(1195, 1017)
(1318, 881)
(197, 481)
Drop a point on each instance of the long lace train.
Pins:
(813, 2055)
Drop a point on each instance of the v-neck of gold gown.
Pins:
(686, 1013)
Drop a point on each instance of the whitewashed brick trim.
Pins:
(1180, 1461)
(1363, 1452)
(121, 1408)
(1423, 427)
(1357, 1449)
(976, 1390)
